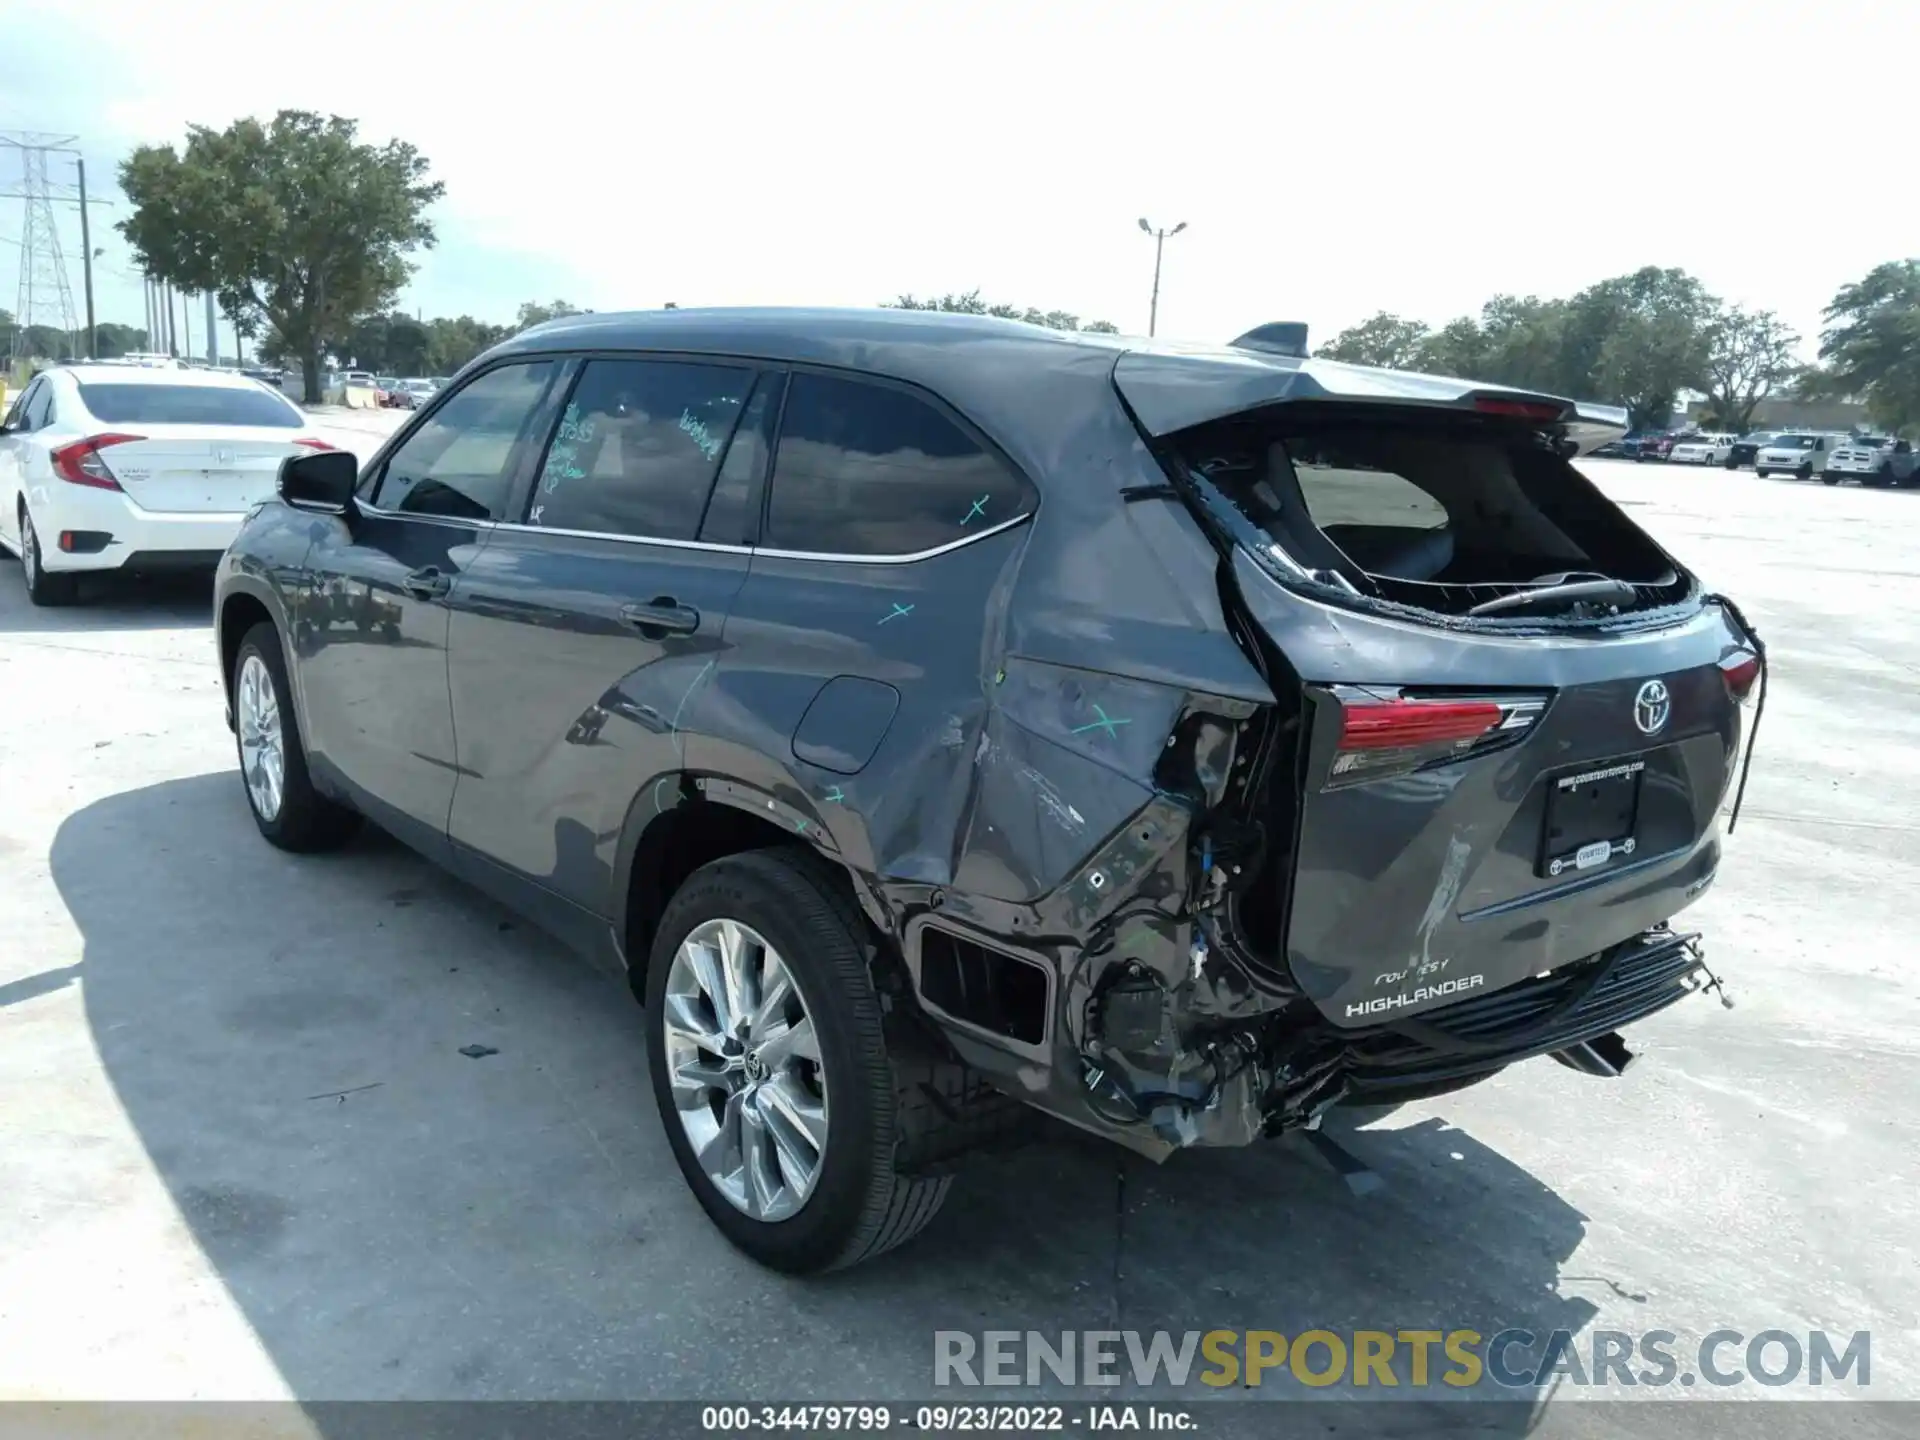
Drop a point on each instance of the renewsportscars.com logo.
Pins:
(1512, 1358)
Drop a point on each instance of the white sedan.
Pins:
(126, 468)
(1702, 450)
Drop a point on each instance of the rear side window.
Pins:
(866, 469)
(637, 448)
(459, 463)
(187, 405)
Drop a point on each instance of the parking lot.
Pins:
(241, 1154)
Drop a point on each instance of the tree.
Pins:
(1749, 355)
(1385, 341)
(1871, 346)
(531, 313)
(296, 222)
(452, 343)
(971, 304)
(1652, 332)
(1458, 348)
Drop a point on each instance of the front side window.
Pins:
(17, 412)
(636, 449)
(867, 469)
(460, 462)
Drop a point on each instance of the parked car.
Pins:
(1621, 448)
(1871, 461)
(359, 379)
(1802, 454)
(1701, 450)
(935, 714)
(1747, 447)
(136, 468)
(1654, 447)
(1899, 466)
(418, 391)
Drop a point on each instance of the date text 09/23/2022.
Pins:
(944, 1418)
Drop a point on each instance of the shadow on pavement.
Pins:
(109, 603)
(398, 1220)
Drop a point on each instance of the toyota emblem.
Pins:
(1652, 707)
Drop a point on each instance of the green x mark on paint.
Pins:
(1104, 723)
(898, 611)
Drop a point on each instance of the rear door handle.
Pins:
(663, 615)
(427, 584)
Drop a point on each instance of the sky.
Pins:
(1329, 159)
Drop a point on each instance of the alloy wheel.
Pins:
(263, 757)
(744, 1066)
(29, 550)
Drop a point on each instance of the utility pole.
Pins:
(213, 334)
(86, 258)
(1159, 244)
(186, 326)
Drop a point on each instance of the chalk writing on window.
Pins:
(708, 442)
(564, 454)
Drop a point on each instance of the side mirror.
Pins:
(322, 481)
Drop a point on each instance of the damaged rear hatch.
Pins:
(1508, 718)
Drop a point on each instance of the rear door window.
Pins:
(460, 462)
(39, 411)
(637, 448)
(188, 405)
(873, 470)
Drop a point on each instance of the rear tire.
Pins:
(1762, 474)
(42, 588)
(1805, 472)
(788, 916)
(273, 757)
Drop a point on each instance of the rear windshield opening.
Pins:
(1465, 517)
(187, 405)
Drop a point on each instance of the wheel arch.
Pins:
(675, 825)
(241, 608)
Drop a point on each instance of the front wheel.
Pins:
(42, 588)
(1827, 477)
(1762, 474)
(273, 757)
(1805, 472)
(770, 1068)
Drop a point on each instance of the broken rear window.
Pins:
(1447, 513)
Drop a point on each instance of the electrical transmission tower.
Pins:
(45, 298)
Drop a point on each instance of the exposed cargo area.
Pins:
(1458, 514)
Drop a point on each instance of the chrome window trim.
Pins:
(761, 550)
(365, 508)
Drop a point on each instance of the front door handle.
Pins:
(663, 615)
(427, 584)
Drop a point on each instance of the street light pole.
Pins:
(1159, 244)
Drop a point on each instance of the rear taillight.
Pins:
(80, 462)
(1391, 735)
(310, 443)
(1740, 670)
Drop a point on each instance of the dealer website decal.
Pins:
(1507, 1359)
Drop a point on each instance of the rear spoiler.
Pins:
(1173, 388)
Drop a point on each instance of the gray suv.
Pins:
(937, 716)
